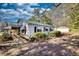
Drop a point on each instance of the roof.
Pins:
(20, 21)
(8, 27)
(14, 24)
(36, 23)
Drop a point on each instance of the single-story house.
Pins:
(30, 28)
(7, 28)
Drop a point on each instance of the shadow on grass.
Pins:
(46, 49)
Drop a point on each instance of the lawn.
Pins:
(65, 45)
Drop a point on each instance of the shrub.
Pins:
(32, 39)
(40, 35)
(54, 34)
(6, 37)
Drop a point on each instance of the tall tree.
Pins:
(37, 14)
(40, 17)
(74, 14)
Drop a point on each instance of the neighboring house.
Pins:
(7, 28)
(30, 28)
(12, 27)
(15, 27)
(62, 29)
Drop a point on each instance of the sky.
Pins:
(11, 12)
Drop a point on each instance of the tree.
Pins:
(33, 19)
(46, 20)
(37, 14)
(74, 15)
(40, 17)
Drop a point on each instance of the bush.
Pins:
(54, 34)
(6, 37)
(32, 39)
(40, 35)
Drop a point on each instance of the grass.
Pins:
(74, 30)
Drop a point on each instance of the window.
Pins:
(39, 30)
(51, 29)
(23, 30)
(45, 29)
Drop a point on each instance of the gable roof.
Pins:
(36, 23)
(21, 21)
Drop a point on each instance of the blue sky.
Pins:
(12, 11)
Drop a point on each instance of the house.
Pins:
(12, 27)
(30, 28)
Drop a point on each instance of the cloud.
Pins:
(18, 10)
(33, 4)
(5, 4)
(22, 11)
(20, 4)
(2, 10)
(9, 12)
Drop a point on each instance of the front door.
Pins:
(35, 29)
